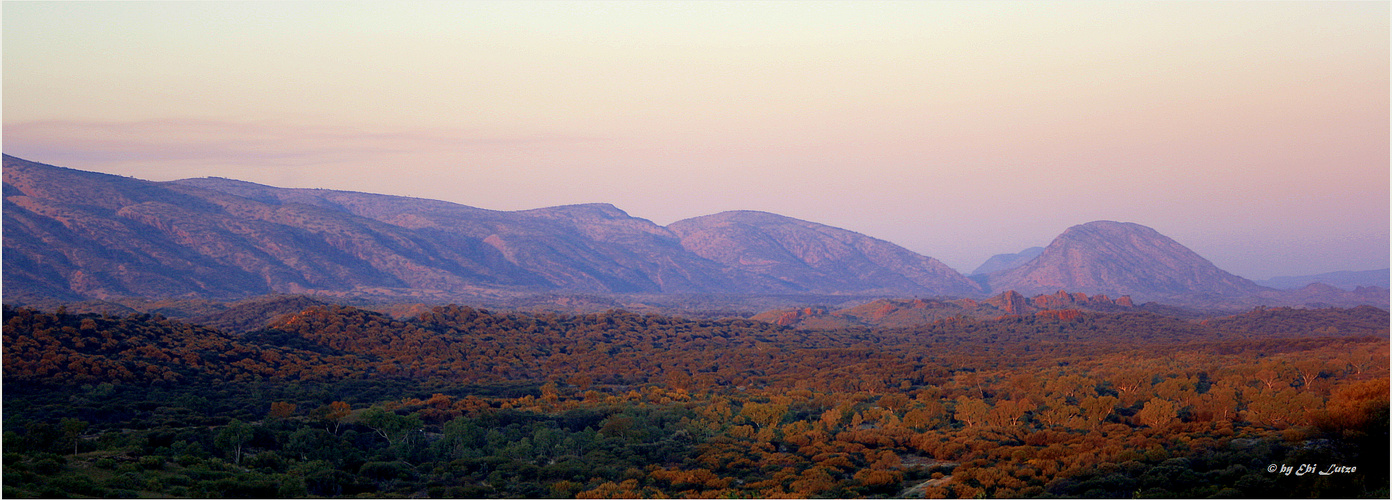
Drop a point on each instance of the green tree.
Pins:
(394, 428)
(309, 443)
(233, 436)
(72, 431)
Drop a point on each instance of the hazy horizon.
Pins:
(1256, 134)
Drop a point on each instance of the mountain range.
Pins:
(76, 235)
(1347, 280)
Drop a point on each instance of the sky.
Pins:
(1255, 133)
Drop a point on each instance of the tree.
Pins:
(1007, 413)
(281, 409)
(764, 415)
(310, 442)
(1057, 412)
(1096, 409)
(1281, 408)
(1158, 413)
(1132, 384)
(1355, 405)
(971, 411)
(920, 419)
(72, 431)
(338, 411)
(235, 434)
(1221, 401)
(549, 392)
(894, 401)
(389, 425)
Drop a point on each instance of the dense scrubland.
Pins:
(464, 402)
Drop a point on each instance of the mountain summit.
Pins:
(1121, 258)
(829, 258)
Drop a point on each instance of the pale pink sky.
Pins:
(1256, 133)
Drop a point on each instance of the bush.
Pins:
(382, 471)
(120, 493)
(13, 459)
(266, 461)
(127, 480)
(293, 487)
(245, 486)
(79, 485)
(47, 466)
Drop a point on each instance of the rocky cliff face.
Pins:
(1120, 258)
(75, 235)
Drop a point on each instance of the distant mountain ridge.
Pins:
(1003, 261)
(1347, 280)
(79, 235)
(71, 235)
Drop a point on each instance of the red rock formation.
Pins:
(1011, 302)
(1061, 314)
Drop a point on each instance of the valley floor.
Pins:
(462, 403)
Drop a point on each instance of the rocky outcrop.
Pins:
(1009, 302)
